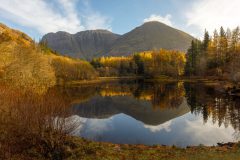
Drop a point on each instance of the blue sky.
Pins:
(38, 17)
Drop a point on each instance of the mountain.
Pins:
(96, 43)
(85, 44)
(149, 36)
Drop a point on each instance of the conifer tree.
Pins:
(223, 45)
(235, 40)
(206, 41)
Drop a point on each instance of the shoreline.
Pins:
(221, 85)
(224, 84)
(102, 80)
(105, 150)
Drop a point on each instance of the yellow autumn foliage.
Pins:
(147, 63)
(27, 65)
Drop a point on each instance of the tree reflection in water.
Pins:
(202, 99)
(205, 100)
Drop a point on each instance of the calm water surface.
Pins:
(137, 112)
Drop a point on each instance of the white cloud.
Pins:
(97, 21)
(38, 14)
(159, 18)
(211, 14)
(165, 126)
(94, 20)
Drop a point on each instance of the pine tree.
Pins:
(235, 40)
(215, 48)
(223, 45)
(206, 41)
(140, 65)
(193, 54)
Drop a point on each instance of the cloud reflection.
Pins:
(165, 126)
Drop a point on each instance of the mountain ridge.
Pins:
(96, 43)
(82, 44)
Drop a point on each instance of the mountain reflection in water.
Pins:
(137, 112)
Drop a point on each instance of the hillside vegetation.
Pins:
(24, 63)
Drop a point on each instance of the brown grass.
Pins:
(33, 125)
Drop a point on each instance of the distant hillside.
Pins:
(150, 36)
(96, 43)
(86, 44)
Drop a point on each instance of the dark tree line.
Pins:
(216, 55)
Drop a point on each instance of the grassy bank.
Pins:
(88, 150)
(81, 149)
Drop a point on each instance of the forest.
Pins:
(149, 64)
(216, 55)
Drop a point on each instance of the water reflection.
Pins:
(213, 106)
(153, 104)
(155, 113)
